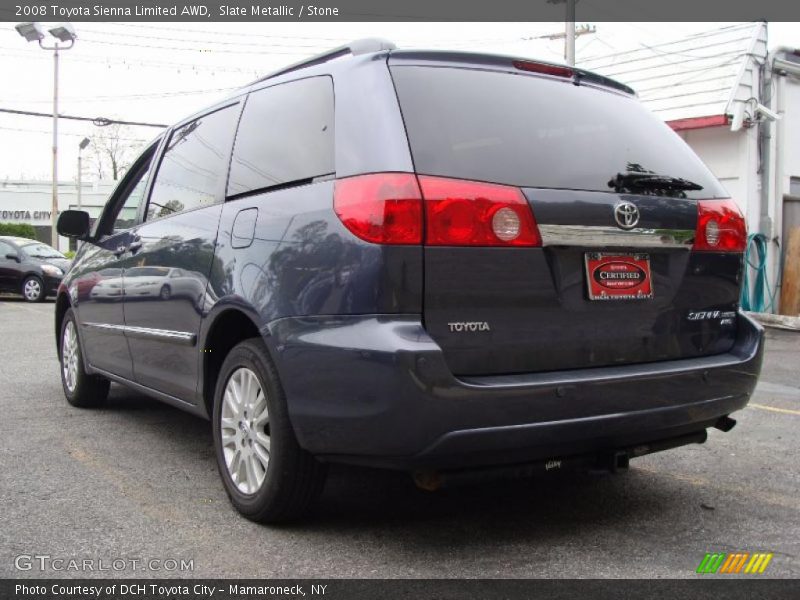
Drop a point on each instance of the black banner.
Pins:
(416, 589)
(396, 10)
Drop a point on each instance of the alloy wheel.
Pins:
(244, 427)
(69, 356)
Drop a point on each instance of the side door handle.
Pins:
(120, 251)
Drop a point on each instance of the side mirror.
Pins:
(12, 256)
(73, 224)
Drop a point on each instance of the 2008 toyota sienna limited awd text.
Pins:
(431, 261)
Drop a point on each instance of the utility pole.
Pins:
(569, 40)
(570, 32)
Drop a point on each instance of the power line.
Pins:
(688, 38)
(195, 42)
(229, 34)
(146, 62)
(117, 97)
(267, 48)
(606, 69)
(117, 43)
(50, 132)
(99, 121)
(334, 40)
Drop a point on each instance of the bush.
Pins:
(22, 230)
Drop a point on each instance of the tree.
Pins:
(23, 230)
(113, 150)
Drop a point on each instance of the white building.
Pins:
(31, 202)
(738, 106)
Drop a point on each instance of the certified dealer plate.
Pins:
(618, 276)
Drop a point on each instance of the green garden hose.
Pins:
(761, 298)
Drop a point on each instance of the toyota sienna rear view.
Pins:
(436, 262)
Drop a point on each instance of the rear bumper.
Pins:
(376, 390)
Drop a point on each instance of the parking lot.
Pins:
(137, 480)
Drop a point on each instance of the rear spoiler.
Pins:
(509, 63)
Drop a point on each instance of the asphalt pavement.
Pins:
(136, 481)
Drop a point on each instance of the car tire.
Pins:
(81, 389)
(292, 478)
(33, 289)
(165, 292)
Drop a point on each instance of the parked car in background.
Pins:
(164, 283)
(83, 286)
(30, 268)
(483, 264)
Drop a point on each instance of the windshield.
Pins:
(41, 251)
(532, 131)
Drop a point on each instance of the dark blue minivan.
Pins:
(445, 263)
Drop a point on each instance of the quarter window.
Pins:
(194, 164)
(285, 136)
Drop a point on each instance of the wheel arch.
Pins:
(227, 327)
(30, 273)
(63, 304)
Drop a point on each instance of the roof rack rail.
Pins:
(354, 48)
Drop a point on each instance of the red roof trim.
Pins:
(699, 122)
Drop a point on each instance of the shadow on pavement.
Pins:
(358, 498)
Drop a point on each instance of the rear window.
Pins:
(531, 131)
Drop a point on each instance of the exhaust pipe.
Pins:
(725, 424)
(430, 481)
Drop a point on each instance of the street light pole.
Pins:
(81, 146)
(65, 33)
(54, 207)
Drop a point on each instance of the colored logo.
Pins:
(736, 562)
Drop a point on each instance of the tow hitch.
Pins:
(614, 461)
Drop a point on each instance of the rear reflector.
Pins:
(384, 208)
(720, 227)
(544, 68)
(471, 213)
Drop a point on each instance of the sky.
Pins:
(161, 72)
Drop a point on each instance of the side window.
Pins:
(126, 217)
(285, 136)
(6, 249)
(194, 164)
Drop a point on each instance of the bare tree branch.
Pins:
(112, 152)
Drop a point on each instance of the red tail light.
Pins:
(720, 227)
(387, 208)
(470, 213)
(384, 208)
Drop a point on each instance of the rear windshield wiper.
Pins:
(628, 181)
